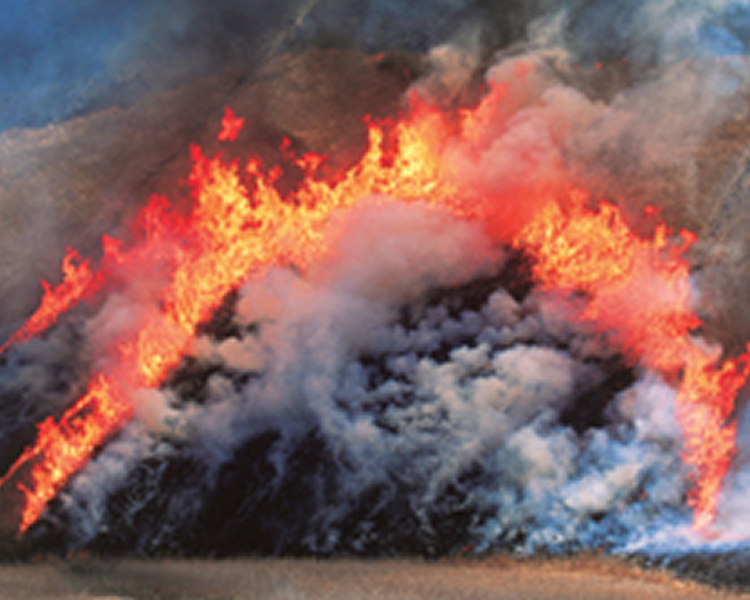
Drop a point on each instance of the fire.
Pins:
(231, 125)
(240, 225)
(706, 402)
(63, 448)
(639, 293)
(78, 282)
(232, 233)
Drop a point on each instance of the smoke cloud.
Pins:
(413, 391)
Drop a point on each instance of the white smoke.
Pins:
(415, 403)
(423, 404)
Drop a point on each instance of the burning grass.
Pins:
(243, 224)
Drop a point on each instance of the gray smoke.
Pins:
(413, 392)
(63, 60)
(448, 408)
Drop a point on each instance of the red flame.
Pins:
(231, 125)
(638, 289)
(62, 449)
(639, 292)
(78, 282)
(231, 234)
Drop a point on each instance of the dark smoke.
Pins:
(65, 59)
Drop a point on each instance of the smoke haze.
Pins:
(413, 391)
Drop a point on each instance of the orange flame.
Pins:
(638, 290)
(78, 282)
(62, 449)
(230, 234)
(231, 125)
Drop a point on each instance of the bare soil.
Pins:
(580, 578)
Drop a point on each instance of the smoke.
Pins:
(64, 60)
(85, 132)
(363, 410)
(400, 417)
(413, 391)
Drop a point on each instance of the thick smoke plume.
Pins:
(415, 391)
(70, 68)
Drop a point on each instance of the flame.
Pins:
(231, 125)
(638, 290)
(78, 282)
(232, 233)
(63, 448)
(639, 293)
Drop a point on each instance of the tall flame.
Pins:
(638, 289)
(639, 292)
(63, 448)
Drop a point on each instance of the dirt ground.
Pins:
(498, 578)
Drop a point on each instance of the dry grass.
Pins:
(579, 578)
